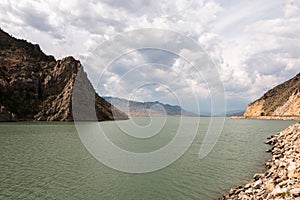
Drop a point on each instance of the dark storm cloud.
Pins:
(139, 7)
(158, 56)
(96, 24)
(36, 19)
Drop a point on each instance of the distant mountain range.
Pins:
(281, 102)
(235, 113)
(156, 108)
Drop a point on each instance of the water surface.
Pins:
(41, 160)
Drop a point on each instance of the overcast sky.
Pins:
(255, 45)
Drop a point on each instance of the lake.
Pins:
(47, 160)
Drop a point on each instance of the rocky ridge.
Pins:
(34, 86)
(281, 180)
(281, 102)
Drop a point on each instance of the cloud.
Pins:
(144, 72)
(138, 7)
(292, 9)
(254, 44)
(263, 51)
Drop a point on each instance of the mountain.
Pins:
(135, 108)
(35, 86)
(235, 113)
(281, 102)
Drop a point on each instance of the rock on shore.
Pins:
(281, 179)
(297, 118)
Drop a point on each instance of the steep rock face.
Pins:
(283, 101)
(34, 86)
(57, 90)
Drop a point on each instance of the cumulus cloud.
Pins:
(254, 45)
(157, 69)
(292, 9)
(263, 53)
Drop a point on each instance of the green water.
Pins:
(48, 161)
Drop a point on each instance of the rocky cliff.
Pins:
(34, 86)
(281, 102)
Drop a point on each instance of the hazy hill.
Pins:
(135, 108)
(35, 86)
(235, 113)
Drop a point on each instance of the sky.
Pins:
(247, 46)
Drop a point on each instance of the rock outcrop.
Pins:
(281, 102)
(34, 86)
(281, 180)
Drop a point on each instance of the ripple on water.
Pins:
(48, 161)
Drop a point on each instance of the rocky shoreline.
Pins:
(281, 180)
(297, 118)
